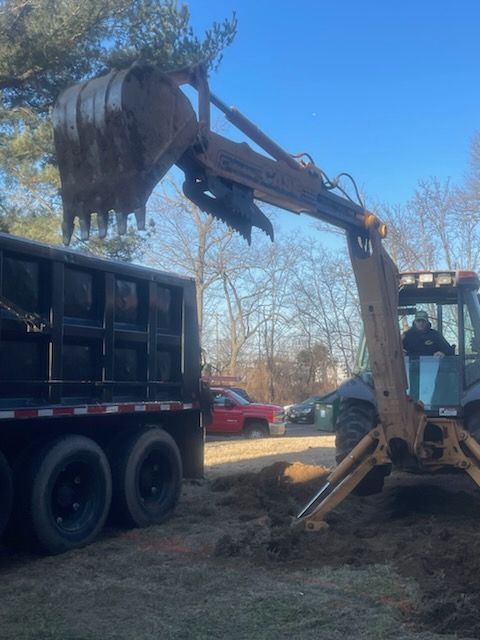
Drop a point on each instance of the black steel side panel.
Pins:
(116, 332)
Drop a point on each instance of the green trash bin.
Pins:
(324, 416)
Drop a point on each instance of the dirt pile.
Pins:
(428, 528)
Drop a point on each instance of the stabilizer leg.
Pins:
(459, 449)
(369, 452)
(472, 463)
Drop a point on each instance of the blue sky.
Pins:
(386, 90)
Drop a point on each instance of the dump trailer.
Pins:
(99, 394)
(117, 135)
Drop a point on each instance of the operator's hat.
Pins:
(421, 315)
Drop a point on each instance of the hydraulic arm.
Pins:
(116, 137)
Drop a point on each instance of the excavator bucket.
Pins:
(116, 136)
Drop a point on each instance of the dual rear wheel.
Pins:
(66, 488)
(147, 477)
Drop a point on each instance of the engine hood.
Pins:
(258, 406)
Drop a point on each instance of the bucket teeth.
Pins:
(102, 224)
(121, 222)
(85, 221)
(140, 215)
(67, 230)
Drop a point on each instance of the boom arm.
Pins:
(116, 136)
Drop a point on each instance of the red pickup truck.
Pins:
(232, 414)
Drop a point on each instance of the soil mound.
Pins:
(427, 527)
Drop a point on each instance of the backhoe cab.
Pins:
(445, 386)
(117, 135)
(446, 390)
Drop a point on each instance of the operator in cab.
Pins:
(422, 340)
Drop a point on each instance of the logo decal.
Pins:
(447, 411)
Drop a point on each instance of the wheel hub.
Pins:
(71, 495)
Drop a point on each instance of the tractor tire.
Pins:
(147, 477)
(355, 419)
(472, 424)
(6, 492)
(64, 494)
(256, 430)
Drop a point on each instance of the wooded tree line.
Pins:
(284, 316)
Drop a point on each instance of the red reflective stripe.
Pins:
(152, 406)
(26, 413)
(126, 408)
(96, 409)
(63, 411)
(133, 407)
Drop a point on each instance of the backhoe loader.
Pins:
(117, 135)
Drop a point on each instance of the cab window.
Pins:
(219, 399)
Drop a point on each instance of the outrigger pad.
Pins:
(116, 136)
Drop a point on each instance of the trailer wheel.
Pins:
(147, 477)
(256, 430)
(6, 492)
(65, 495)
(355, 419)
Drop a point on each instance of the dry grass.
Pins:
(123, 589)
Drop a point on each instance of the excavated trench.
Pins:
(427, 528)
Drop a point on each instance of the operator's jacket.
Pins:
(425, 343)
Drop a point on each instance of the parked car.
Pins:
(232, 414)
(304, 412)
